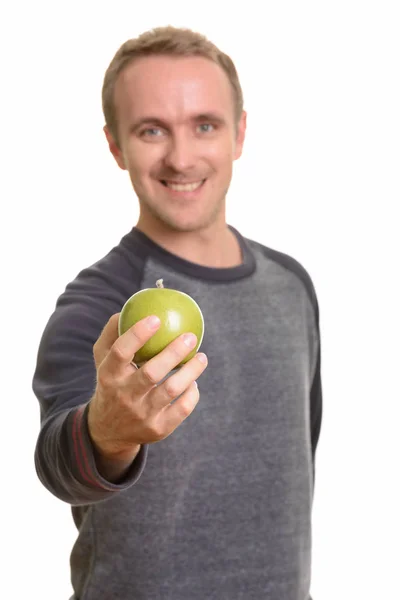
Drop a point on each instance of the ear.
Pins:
(114, 149)
(240, 136)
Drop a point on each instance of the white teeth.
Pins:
(189, 187)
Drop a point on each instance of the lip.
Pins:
(178, 194)
(181, 182)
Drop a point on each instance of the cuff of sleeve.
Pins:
(85, 459)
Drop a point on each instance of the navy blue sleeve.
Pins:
(64, 383)
(316, 392)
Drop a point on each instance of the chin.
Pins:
(180, 220)
(180, 226)
(183, 219)
(190, 223)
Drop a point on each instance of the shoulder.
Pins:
(109, 280)
(98, 291)
(290, 264)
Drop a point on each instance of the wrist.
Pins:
(113, 465)
(114, 454)
(112, 459)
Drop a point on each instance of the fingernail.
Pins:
(189, 339)
(153, 322)
(202, 358)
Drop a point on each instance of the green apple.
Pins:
(178, 313)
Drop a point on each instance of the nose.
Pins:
(180, 153)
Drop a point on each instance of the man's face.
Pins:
(176, 126)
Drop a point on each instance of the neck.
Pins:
(214, 246)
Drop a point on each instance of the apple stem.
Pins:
(159, 283)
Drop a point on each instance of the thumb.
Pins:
(106, 339)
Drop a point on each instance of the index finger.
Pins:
(123, 349)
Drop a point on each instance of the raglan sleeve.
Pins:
(64, 382)
(316, 400)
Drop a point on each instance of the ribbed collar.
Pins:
(138, 239)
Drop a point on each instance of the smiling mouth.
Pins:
(183, 187)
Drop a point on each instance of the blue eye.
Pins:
(152, 130)
(206, 125)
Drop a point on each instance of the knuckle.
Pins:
(103, 377)
(148, 374)
(177, 351)
(185, 409)
(134, 334)
(117, 353)
(171, 388)
(156, 431)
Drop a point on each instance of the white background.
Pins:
(320, 163)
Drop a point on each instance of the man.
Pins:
(176, 498)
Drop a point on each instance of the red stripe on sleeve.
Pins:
(81, 456)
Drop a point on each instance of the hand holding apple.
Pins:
(128, 408)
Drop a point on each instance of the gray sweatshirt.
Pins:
(221, 509)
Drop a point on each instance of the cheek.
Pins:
(221, 153)
(140, 164)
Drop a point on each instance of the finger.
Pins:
(179, 382)
(106, 339)
(122, 351)
(174, 414)
(163, 363)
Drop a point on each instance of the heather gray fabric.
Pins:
(221, 509)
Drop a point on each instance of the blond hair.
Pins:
(166, 41)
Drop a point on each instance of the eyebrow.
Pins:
(201, 118)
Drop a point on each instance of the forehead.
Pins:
(173, 88)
